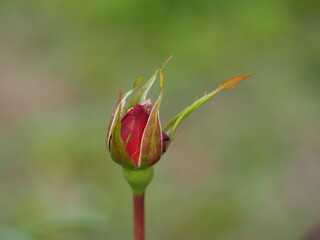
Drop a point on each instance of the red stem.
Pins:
(138, 202)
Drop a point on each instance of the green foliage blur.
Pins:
(244, 166)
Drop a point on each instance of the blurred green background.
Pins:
(244, 166)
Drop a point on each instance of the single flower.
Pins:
(135, 137)
(133, 124)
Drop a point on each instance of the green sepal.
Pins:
(151, 142)
(171, 127)
(173, 124)
(117, 147)
(119, 109)
(138, 179)
(115, 143)
(141, 95)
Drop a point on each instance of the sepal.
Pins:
(117, 146)
(171, 127)
(141, 95)
(119, 109)
(151, 142)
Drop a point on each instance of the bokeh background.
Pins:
(244, 166)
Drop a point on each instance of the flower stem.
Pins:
(138, 179)
(138, 203)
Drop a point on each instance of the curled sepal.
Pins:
(141, 95)
(151, 142)
(119, 108)
(231, 82)
(173, 124)
(117, 146)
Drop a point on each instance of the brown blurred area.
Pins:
(313, 234)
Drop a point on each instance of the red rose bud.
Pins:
(135, 138)
(133, 125)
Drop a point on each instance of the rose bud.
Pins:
(135, 138)
(133, 125)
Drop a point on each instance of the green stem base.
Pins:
(138, 179)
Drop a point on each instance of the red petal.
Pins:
(132, 126)
(165, 138)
